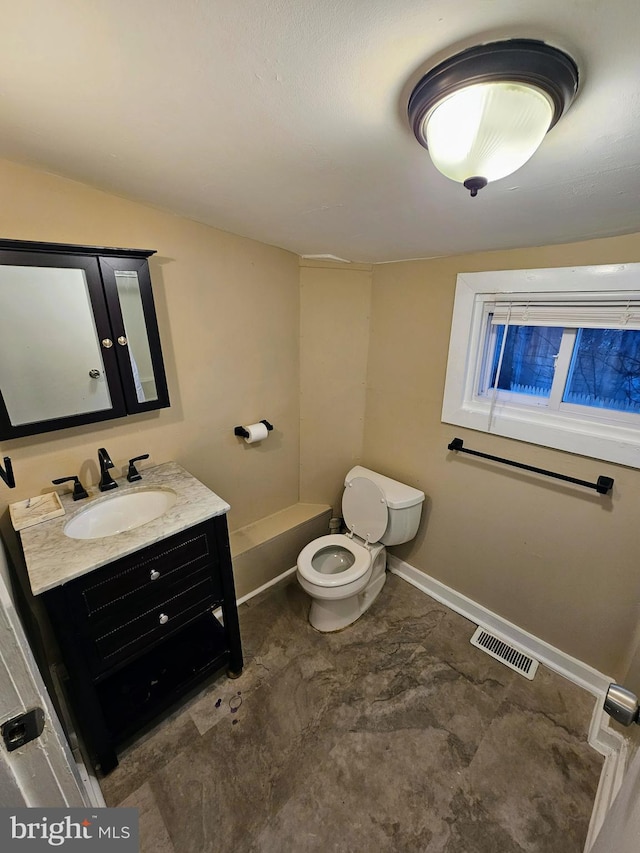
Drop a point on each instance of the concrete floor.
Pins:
(393, 735)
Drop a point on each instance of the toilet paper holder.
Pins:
(244, 433)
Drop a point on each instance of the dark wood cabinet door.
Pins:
(79, 339)
(127, 286)
(57, 365)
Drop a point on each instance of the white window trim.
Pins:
(614, 442)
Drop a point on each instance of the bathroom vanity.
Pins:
(142, 616)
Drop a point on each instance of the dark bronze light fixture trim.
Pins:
(523, 61)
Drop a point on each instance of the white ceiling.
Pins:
(285, 120)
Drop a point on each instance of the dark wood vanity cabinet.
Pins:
(139, 633)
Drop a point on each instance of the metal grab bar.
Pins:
(602, 487)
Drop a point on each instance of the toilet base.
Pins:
(336, 614)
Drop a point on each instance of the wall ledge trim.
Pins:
(257, 533)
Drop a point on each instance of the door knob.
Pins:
(622, 705)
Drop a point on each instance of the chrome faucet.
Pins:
(106, 480)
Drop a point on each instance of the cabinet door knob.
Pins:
(163, 618)
(107, 343)
(122, 341)
(154, 575)
(94, 373)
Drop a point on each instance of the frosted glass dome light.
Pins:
(490, 129)
(483, 113)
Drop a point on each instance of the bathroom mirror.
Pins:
(46, 367)
(79, 341)
(135, 328)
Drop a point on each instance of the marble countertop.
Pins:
(53, 558)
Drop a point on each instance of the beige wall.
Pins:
(228, 314)
(335, 303)
(236, 319)
(557, 560)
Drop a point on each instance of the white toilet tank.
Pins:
(404, 505)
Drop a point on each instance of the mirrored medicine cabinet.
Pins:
(79, 339)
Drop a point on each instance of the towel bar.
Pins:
(602, 487)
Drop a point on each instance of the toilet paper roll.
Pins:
(257, 432)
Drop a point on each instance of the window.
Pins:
(551, 357)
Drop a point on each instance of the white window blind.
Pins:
(568, 314)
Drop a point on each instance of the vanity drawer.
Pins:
(127, 583)
(159, 618)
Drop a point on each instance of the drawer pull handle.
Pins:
(163, 618)
(154, 575)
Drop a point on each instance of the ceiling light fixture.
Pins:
(483, 113)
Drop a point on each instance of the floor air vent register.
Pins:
(504, 652)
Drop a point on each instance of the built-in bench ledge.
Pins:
(265, 549)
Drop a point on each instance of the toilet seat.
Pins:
(359, 568)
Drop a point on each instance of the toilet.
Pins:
(345, 572)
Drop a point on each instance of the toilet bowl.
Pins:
(344, 573)
(338, 572)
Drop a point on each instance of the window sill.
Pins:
(611, 442)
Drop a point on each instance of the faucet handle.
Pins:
(132, 473)
(79, 490)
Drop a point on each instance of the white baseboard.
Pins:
(266, 586)
(218, 611)
(610, 744)
(576, 671)
(91, 784)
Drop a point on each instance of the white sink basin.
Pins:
(120, 512)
